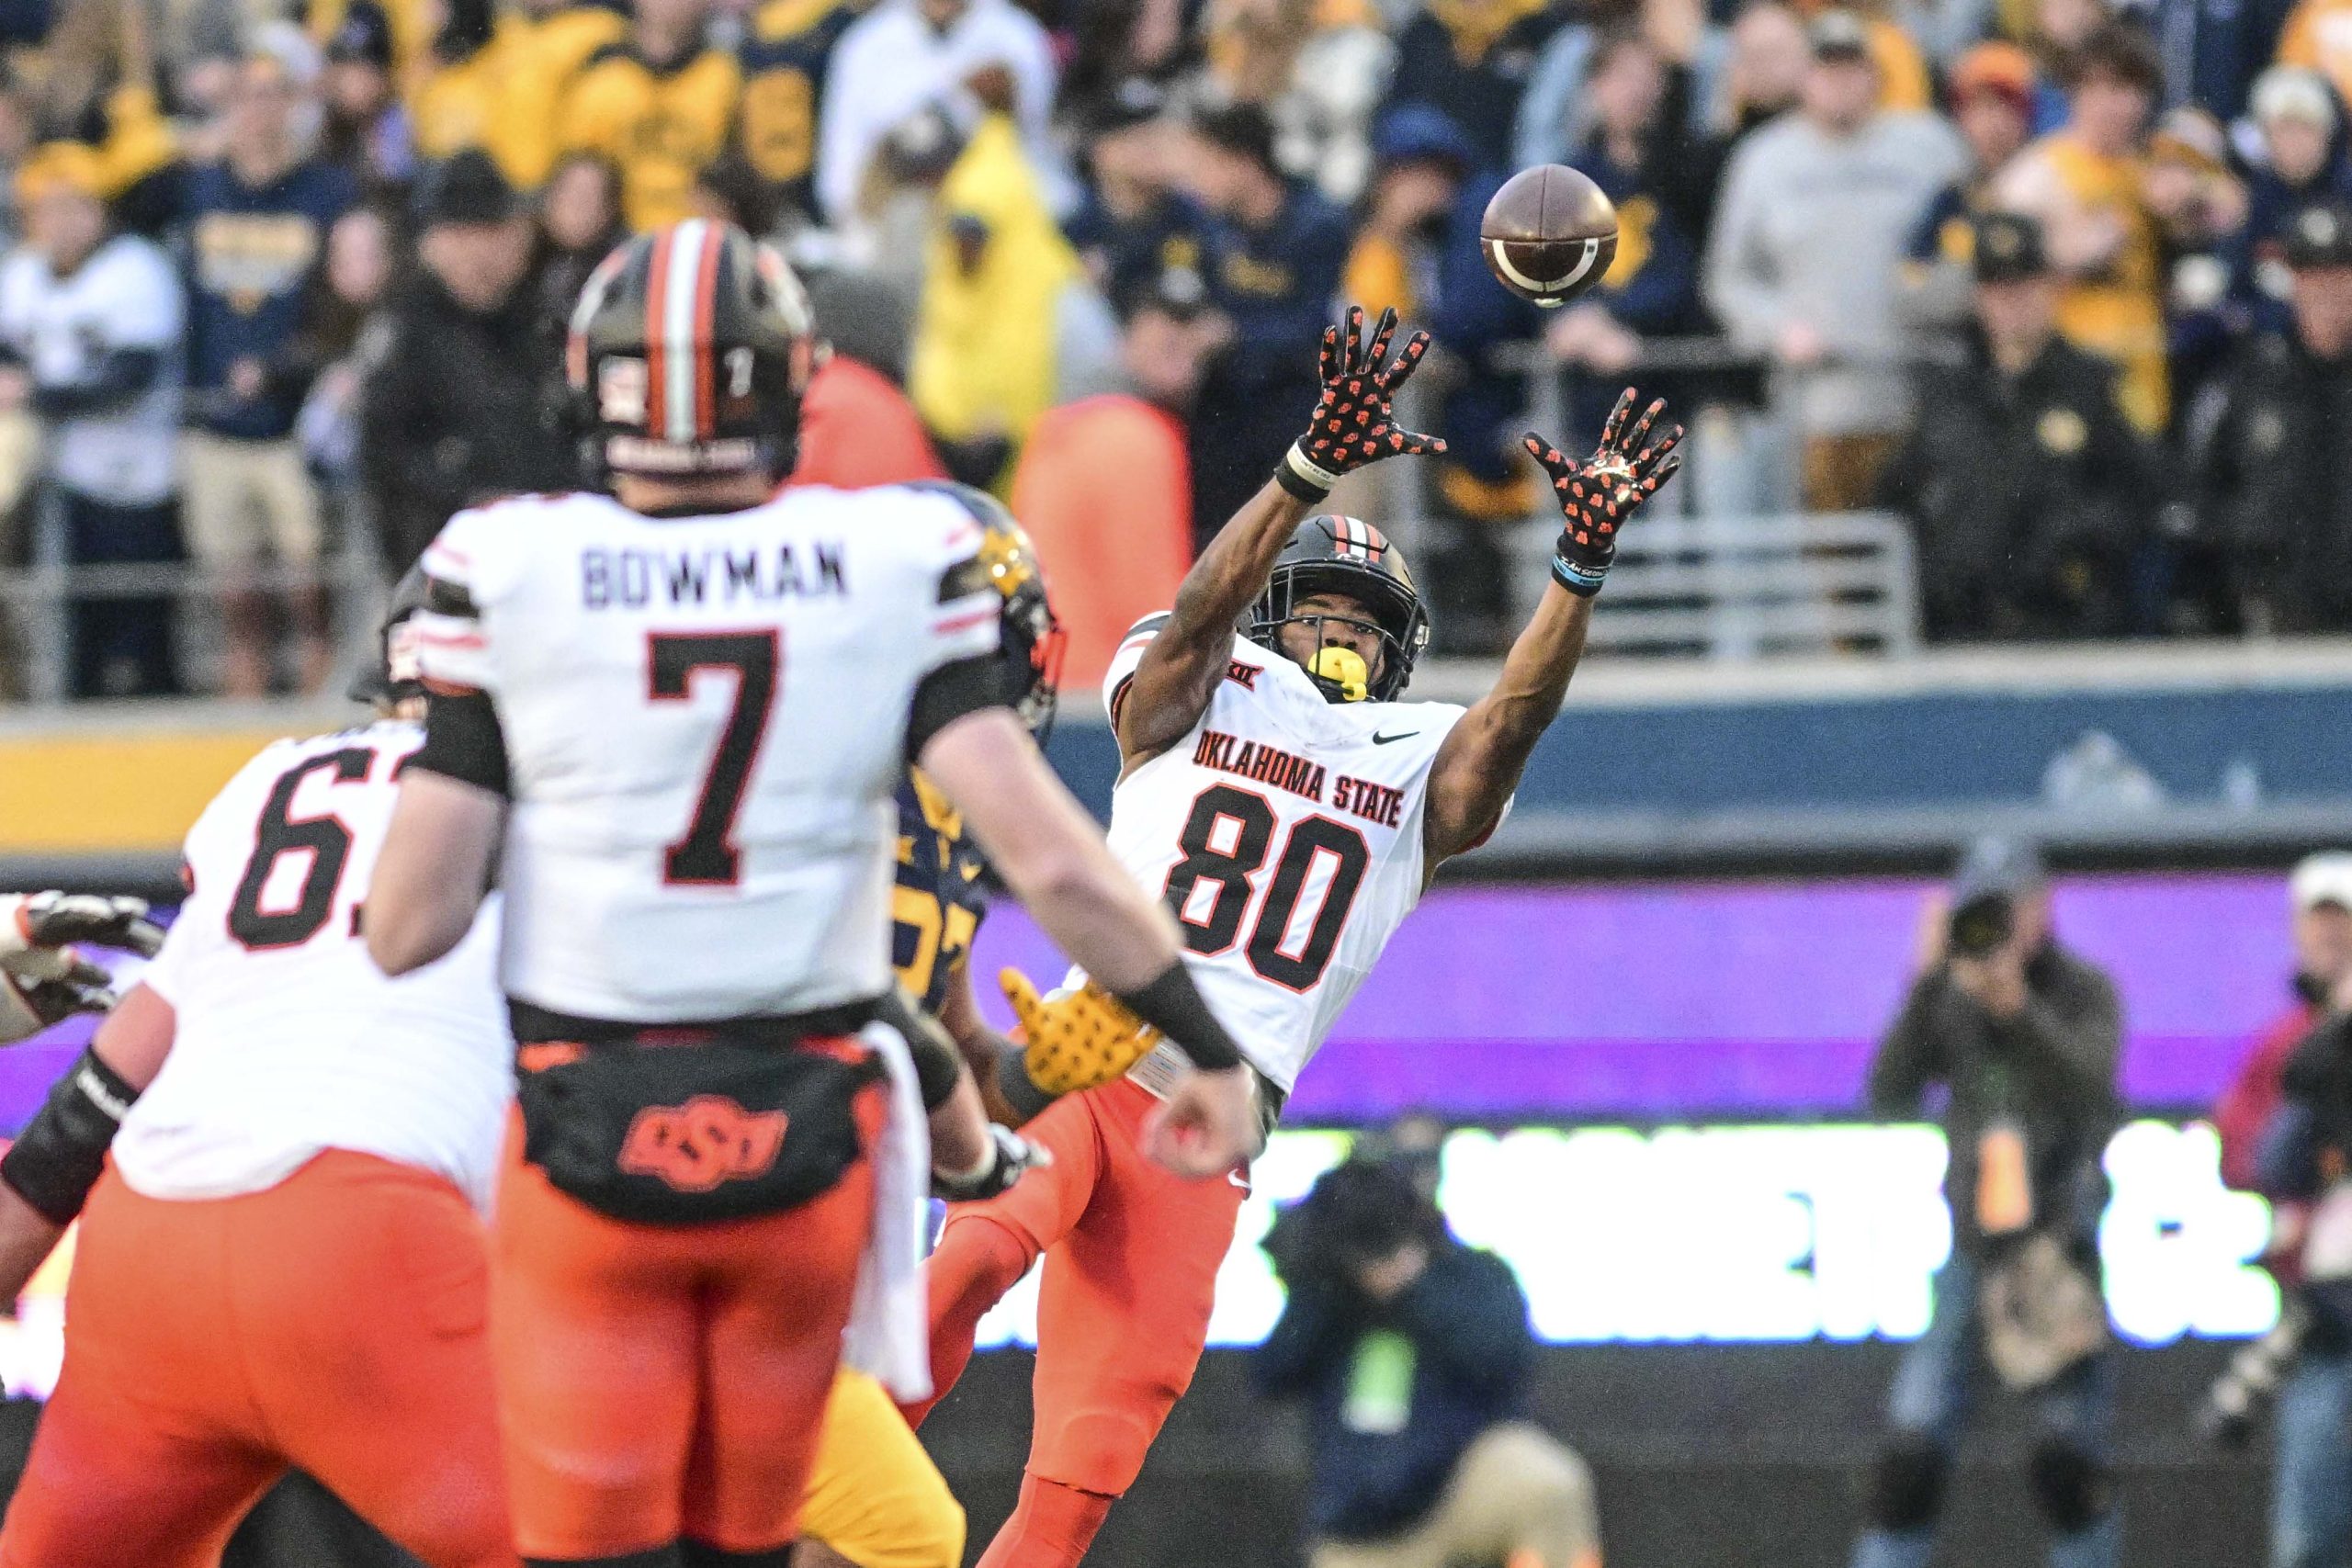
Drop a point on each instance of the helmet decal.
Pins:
(683, 349)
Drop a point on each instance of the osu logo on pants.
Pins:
(695, 1146)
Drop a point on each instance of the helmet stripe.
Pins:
(706, 350)
(678, 357)
(657, 277)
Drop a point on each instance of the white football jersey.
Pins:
(290, 1039)
(706, 722)
(1285, 833)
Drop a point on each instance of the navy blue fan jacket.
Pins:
(1465, 1323)
(1279, 285)
(251, 254)
(1131, 252)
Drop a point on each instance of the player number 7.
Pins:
(707, 856)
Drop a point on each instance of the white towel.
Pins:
(889, 1336)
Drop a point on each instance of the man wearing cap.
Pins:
(2028, 485)
(2276, 464)
(2310, 1484)
(2023, 1037)
(367, 133)
(1802, 262)
(1991, 94)
(2301, 160)
(90, 324)
(463, 403)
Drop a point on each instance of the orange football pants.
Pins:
(659, 1383)
(332, 1323)
(1132, 1252)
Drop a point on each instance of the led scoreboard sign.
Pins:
(1745, 1234)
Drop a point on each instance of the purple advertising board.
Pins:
(1752, 998)
(1690, 999)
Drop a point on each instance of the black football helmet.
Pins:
(680, 353)
(1330, 554)
(393, 675)
(1031, 635)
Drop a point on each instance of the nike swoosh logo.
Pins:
(1379, 740)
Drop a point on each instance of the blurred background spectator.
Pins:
(1412, 1354)
(465, 396)
(2304, 1366)
(258, 224)
(2028, 487)
(90, 324)
(2277, 517)
(2023, 1038)
(984, 190)
(1816, 209)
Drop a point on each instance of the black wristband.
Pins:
(59, 1154)
(1291, 481)
(1173, 1005)
(1020, 1090)
(937, 1063)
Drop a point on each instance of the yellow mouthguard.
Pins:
(1346, 666)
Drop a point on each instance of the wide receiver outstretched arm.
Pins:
(1352, 426)
(1480, 763)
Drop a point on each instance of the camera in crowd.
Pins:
(1982, 925)
(1995, 874)
(1359, 1213)
(2248, 1387)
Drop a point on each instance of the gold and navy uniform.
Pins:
(663, 123)
(941, 895)
(783, 89)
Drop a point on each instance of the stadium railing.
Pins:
(34, 599)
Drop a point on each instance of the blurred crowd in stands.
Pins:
(288, 286)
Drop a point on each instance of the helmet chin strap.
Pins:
(1343, 670)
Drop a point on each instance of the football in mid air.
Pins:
(1549, 235)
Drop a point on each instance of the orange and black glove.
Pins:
(1353, 425)
(1599, 495)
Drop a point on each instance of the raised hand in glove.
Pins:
(1599, 494)
(30, 921)
(1353, 425)
(1075, 1040)
(30, 1004)
(1010, 1157)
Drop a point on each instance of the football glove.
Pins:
(1010, 1158)
(28, 1005)
(1600, 495)
(1078, 1039)
(30, 921)
(1352, 423)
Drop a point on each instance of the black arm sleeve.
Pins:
(948, 693)
(1174, 1006)
(123, 374)
(463, 741)
(937, 1066)
(58, 1158)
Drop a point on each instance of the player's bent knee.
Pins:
(1906, 1489)
(2073, 1489)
